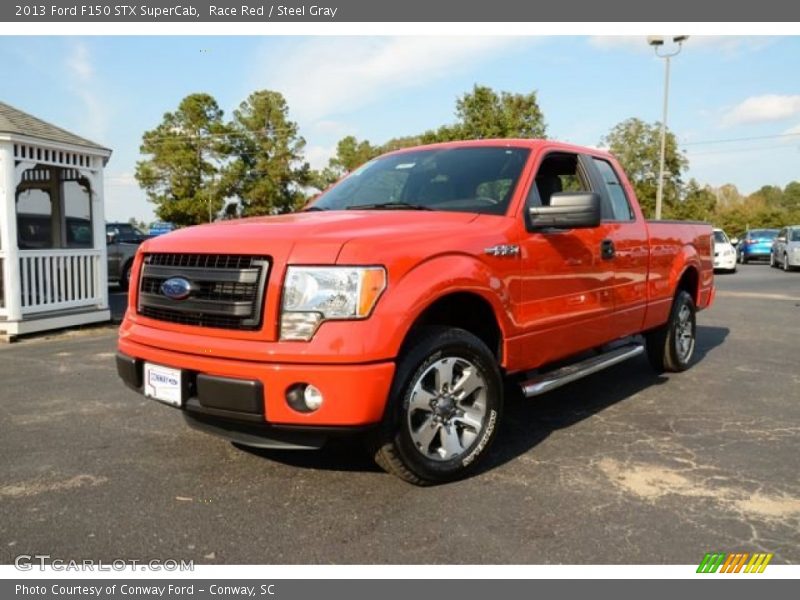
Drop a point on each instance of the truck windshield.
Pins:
(466, 179)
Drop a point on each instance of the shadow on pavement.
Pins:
(526, 422)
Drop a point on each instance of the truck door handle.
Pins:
(607, 250)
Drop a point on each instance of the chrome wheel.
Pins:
(447, 408)
(684, 330)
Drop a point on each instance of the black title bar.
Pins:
(257, 11)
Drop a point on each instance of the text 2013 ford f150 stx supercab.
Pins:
(397, 303)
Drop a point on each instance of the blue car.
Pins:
(756, 244)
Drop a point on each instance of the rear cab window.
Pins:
(620, 206)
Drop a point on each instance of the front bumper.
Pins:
(218, 392)
(727, 263)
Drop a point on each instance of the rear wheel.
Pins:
(443, 409)
(671, 346)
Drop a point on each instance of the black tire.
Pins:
(125, 276)
(395, 444)
(665, 345)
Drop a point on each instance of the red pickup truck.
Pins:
(398, 302)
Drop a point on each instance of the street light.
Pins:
(657, 42)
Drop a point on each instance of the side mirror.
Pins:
(110, 238)
(567, 210)
(734, 241)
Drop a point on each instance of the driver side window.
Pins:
(559, 172)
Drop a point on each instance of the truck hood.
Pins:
(310, 237)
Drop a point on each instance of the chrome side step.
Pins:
(545, 382)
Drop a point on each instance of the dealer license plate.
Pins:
(163, 383)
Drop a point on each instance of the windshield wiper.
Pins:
(389, 206)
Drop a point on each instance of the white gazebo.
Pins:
(53, 270)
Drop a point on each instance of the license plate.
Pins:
(163, 383)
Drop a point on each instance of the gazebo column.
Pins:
(8, 233)
(95, 177)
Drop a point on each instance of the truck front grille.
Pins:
(226, 291)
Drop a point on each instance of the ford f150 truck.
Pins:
(398, 302)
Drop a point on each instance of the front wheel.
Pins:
(444, 408)
(786, 266)
(671, 346)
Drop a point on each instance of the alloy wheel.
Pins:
(447, 408)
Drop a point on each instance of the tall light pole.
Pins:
(657, 43)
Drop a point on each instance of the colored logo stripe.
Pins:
(711, 562)
(759, 561)
(733, 563)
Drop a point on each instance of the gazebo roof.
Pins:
(15, 121)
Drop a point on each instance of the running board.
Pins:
(545, 382)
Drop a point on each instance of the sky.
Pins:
(734, 101)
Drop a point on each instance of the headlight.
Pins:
(312, 295)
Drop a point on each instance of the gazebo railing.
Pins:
(59, 279)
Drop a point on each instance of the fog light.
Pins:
(304, 397)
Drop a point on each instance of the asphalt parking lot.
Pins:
(622, 467)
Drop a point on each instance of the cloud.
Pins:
(318, 156)
(83, 83)
(762, 109)
(323, 77)
(792, 130)
(730, 46)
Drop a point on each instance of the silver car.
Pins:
(786, 248)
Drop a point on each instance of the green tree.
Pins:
(728, 195)
(350, 154)
(481, 114)
(637, 146)
(484, 113)
(698, 204)
(267, 173)
(184, 156)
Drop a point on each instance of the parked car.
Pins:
(122, 242)
(786, 248)
(160, 228)
(724, 252)
(395, 304)
(756, 244)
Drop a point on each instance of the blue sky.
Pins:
(111, 89)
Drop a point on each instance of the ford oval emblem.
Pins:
(176, 288)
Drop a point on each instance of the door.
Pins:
(567, 300)
(779, 246)
(627, 247)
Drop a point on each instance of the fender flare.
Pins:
(436, 278)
